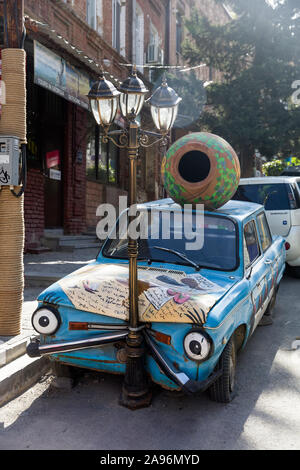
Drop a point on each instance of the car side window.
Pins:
(264, 231)
(251, 245)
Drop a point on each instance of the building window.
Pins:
(101, 159)
(154, 52)
(179, 32)
(118, 25)
(139, 38)
(116, 18)
(91, 13)
(94, 14)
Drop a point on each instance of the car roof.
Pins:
(295, 169)
(269, 179)
(237, 209)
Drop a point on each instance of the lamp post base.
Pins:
(135, 403)
(136, 392)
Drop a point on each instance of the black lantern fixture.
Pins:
(104, 100)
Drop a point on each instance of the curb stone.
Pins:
(19, 375)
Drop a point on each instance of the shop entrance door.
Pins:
(51, 138)
(53, 155)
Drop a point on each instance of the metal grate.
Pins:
(159, 270)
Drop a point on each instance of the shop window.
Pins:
(101, 160)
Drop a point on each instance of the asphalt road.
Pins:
(264, 414)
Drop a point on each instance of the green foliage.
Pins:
(273, 168)
(276, 167)
(258, 54)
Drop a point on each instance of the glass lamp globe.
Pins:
(132, 95)
(103, 98)
(164, 107)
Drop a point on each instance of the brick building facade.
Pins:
(84, 35)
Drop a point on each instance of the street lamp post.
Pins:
(104, 100)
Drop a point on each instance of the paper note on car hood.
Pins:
(164, 296)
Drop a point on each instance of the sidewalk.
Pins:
(43, 269)
(18, 372)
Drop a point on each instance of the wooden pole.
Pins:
(12, 13)
(11, 205)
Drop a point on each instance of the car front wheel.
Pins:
(222, 391)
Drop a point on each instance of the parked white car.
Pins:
(280, 195)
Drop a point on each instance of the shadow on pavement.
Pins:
(89, 417)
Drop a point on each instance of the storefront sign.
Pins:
(52, 159)
(55, 74)
(55, 174)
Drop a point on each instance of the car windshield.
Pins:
(170, 238)
(272, 196)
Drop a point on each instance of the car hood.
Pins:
(164, 295)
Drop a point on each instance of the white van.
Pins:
(280, 195)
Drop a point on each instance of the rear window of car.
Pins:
(264, 231)
(271, 196)
(251, 245)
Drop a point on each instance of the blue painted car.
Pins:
(200, 299)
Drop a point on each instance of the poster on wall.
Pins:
(55, 74)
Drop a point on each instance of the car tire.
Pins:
(223, 390)
(295, 271)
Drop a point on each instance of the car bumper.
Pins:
(89, 353)
(35, 349)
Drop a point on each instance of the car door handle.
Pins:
(268, 261)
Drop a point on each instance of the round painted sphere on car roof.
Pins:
(201, 168)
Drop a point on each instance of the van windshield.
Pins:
(271, 196)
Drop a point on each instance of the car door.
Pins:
(256, 271)
(269, 251)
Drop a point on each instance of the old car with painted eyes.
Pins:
(202, 291)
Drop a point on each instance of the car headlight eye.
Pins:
(197, 345)
(46, 321)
